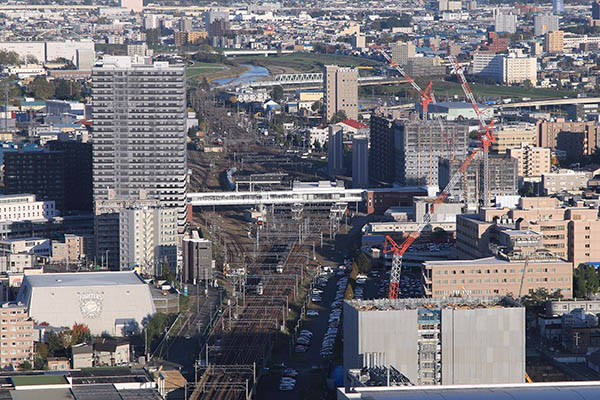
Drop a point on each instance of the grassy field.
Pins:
(203, 69)
(305, 62)
(445, 89)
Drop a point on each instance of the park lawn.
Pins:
(202, 68)
(493, 92)
(306, 62)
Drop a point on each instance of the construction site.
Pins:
(445, 341)
(272, 244)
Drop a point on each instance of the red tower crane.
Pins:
(390, 246)
(486, 131)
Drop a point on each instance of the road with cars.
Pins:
(315, 347)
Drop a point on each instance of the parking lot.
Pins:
(377, 283)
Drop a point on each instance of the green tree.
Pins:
(153, 37)
(67, 89)
(26, 366)
(40, 88)
(40, 363)
(316, 106)
(528, 85)
(204, 85)
(277, 93)
(363, 263)
(167, 275)
(9, 57)
(338, 117)
(585, 281)
(54, 345)
(155, 326)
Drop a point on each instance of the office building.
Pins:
(494, 276)
(564, 181)
(503, 178)
(340, 85)
(197, 259)
(360, 162)
(17, 341)
(126, 123)
(544, 23)
(513, 136)
(505, 23)
(568, 232)
(136, 6)
(335, 151)
(444, 342)
(24, 207)
(558, 6)
(418, 146)
(61, 173)
(401, 52)
(531, 161)
(148, 239)
(554, 42)
(114, 303)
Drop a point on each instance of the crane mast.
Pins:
(486, 132)
(390, 246)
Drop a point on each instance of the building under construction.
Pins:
(503, 176)
(438, 342)
(408, 152)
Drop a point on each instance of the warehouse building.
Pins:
(116, 303)
(443, 342)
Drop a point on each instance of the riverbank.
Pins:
(304, 62)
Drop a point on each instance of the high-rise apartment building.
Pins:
(360, 161)
(531, 161)
(139, 111)
(505, 68)
(148, 238)
(506, 23)
(185, 25)
(401, 52)
(381, 153)
(544, 23)
(577, 139)
(340, 85)
(444, 342)
(16, 342)
(554, 42)
(418, 146)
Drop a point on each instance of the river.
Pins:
(253, 73)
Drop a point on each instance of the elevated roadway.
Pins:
(549, 102)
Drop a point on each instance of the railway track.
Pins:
(242, 337)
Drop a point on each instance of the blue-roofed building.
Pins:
(13, 147)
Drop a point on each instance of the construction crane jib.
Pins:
(390, 245)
